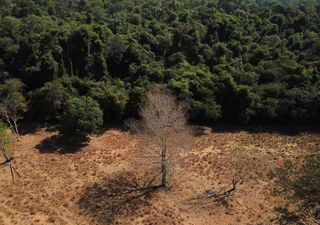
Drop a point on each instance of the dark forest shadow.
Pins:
(115, 126)
(61, 144)
(120, 196)
(29, 128)
(200, 130)
(283, 130)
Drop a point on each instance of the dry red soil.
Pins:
(66, 184)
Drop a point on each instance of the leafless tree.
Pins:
(163, 128)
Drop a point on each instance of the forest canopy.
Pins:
(226, 60)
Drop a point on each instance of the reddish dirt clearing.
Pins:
(69, 188)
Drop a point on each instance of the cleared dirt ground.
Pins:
(70, 184)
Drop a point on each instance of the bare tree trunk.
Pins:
(9, 121)
(12, 171)
(71, 67)
(5, 155)
(16, 128)
(63, 68)
(164, 169)
(10, 159)
(89, 49)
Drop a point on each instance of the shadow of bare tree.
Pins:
(120, 196)
(215, 198)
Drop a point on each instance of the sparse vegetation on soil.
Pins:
(96, 185)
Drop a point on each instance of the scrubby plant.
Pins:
(300, 183)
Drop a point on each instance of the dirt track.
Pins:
(70, 184)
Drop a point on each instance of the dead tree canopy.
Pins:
(163, 128)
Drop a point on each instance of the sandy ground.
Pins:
(70, 184)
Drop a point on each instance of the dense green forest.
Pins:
(228, 61)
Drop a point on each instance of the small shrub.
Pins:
(82, 116)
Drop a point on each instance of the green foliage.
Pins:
(81, 116)
(12, 101)
(195, 88)
(4, 139)
(112, 98)
(47, 102)
(234, 61)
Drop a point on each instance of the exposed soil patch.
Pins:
(83, 185)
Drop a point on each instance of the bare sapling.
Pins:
(7, 147)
